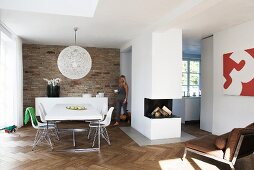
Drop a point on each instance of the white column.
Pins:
(167, 64)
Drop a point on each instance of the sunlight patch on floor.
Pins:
(191, 164)
(175, 164)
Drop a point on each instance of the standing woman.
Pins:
(121, 99)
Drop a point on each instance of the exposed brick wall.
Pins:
(40, 61)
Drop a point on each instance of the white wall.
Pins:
(206, 113)
(125, 69)
(230, 111)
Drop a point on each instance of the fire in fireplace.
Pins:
(158, 108)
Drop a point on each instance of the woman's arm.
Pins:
(126, 88)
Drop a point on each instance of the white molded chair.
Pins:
(103, 125)
(103, 110)
(42, 132)
(43, 115)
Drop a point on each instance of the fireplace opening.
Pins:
(158, 108)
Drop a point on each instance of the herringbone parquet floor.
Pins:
(16, 153)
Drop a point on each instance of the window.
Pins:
(190, 76)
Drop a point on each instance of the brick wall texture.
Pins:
(40, 61)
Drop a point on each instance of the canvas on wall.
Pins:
(238, 71)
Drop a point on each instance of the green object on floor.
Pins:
(30, 111)
(10, 129)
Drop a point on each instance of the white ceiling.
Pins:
(221, 16)
(115, 22)
(84, 8)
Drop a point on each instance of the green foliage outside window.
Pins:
(190, 76)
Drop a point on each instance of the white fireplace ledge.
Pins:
(163, 128)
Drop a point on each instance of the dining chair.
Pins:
(103, 124)
(43, 115)
(103, 111)
(41, 129)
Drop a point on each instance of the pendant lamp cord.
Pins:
(75, 29)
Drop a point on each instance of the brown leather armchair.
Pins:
(225, 148)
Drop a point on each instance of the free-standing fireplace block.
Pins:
(160, 128)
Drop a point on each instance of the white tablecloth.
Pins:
(60, 112)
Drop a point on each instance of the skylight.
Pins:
(84, 8)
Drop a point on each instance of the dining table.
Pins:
(69, 112)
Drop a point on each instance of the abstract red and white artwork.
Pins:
(238, 71)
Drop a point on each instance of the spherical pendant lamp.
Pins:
(74, 62)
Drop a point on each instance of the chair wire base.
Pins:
(103, 133)
(42, 134)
